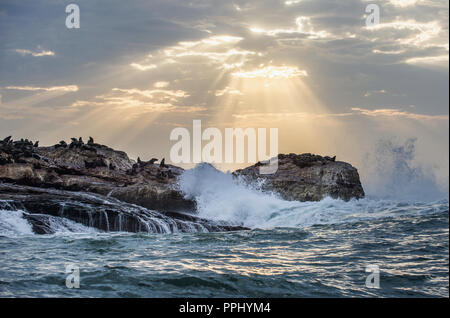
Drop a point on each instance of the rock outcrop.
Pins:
(100, 187)
(92, 168)
(308, 177)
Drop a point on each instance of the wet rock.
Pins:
(45, 209)
(308, 177)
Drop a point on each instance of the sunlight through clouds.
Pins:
(68, 88)
(143, 67)
(273, 72)
(310, 67)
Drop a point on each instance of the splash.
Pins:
(393, 173)
(12, 223)
(221, 197)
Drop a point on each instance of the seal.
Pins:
(163, 163)
(7, 139)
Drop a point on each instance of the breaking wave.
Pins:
(14, 223)
(222, 197)
(392, 171)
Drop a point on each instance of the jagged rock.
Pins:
(308, 177)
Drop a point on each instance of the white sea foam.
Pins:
(221, 197)
(12, 223)
(64, 226)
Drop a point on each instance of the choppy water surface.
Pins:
(321, 250)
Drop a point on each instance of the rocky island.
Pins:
(100, 187)
(308, 177)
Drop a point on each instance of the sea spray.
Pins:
(392, 172)
(221, 197)
(12, 223)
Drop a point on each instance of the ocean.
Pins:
(293, 249)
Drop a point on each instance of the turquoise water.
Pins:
(322, 257)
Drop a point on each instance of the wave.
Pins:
(14, 223)
(393, 171)
(221, 197)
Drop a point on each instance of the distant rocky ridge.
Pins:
(35, 173)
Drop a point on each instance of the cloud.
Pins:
(68, 88)
(228, 90)
(404, 3)
(205, 49)
(143, 67)
(291, 2)
(304, 27)
(139, 101)
(385, 112)
(264, 117)
(395, 113)
(216, 48)
(154, 92)
(272, 72)
(222, 51)
(35, 53)
(370, 93)
(418, 33)
(161, 84)
(431, 60)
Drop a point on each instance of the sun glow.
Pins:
(273, 72)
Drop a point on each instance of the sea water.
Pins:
(293, 249)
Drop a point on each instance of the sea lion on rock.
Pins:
(153, 161)
(36, 144)
(7, 139)
(62, 144)
(163, 163)
(90, 141)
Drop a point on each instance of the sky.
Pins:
(311, 68)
